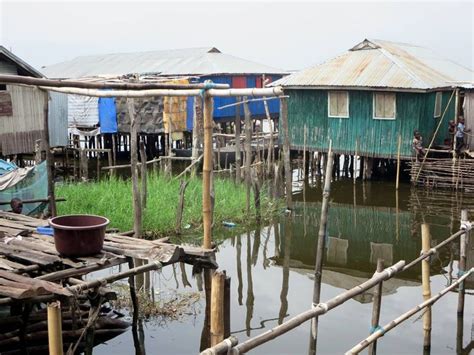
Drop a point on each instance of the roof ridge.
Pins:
(391, 57)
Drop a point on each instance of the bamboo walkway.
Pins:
(32, 270)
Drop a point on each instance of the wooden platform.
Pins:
(30, 266)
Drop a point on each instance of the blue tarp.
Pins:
(107, 115)
(5, 167)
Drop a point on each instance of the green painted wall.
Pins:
(378, 138)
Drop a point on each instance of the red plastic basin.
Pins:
(79, 235)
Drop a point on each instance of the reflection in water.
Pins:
(365, 223)
(250, 296)
(286, 274)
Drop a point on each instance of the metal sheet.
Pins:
(382, 64)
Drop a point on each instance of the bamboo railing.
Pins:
(231, 346)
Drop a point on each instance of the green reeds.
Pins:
(112, 198)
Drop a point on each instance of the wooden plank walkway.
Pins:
(30, 266)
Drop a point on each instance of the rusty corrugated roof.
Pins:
(382, 64)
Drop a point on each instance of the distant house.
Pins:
(366, 97)
(22, 111)
(196, 64)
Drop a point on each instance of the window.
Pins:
(338, 103)
(384, 106)
(437, 107)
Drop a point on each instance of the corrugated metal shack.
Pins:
(22, 111)
(196, 64)
(366, 97)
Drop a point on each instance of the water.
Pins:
(271, 270)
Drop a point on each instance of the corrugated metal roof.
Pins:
(382, 64)
(193, 61)
(25, 68)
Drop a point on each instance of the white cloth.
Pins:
(13, 177)
(78, 132)
(83, 111)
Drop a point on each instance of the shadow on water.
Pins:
(272, 273)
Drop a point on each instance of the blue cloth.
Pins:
(107, 115)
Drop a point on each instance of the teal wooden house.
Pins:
(367, 97)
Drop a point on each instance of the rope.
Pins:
(373, 329)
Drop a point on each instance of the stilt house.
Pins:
(367, 97)
(22, 111)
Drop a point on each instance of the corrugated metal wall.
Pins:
(377, 138)
(19, 132)
(57, 119)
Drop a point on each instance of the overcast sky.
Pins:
(287, 35)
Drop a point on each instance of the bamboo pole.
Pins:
(389, 326)
(425, 280)
(143, 173)
(206, 172)
(398, 161)
(238, 162)
(137, 207)
(197, 125)
(275, 91)
(103, 84)
(248, 152)
(223, 347)
(217, 308)
(318, 269)
(286, 151)
(271, 144)
(319, 309)
(55, 339)
(434, 135)
(304, 153)
(49, 157)
(376, 307)
(264, 99)
(354, 176)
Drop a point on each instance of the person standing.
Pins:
(417, 145)
(460, 131)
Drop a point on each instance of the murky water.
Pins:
(272, 275)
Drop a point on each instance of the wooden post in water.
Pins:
(248, 151)
(143, 172)
(137, 206)
(354, 176)
(55, 337)
(305, 172)
(398, 161)
(318, 269)
(376, 307)
(217, 308)
(238, 160)
(206, 172)
(425, 280)
(286, 150)
(49, 157)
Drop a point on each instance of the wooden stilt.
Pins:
(237, 124)
(425, 279)
(398, 161)
(143, 173)
(286, 151)
(377, 304)
(318, 270)
(248, 152)
(217, 308)
(227, 307)
(137, 206)
(206, 173)
(49, 157)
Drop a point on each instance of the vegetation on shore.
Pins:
(112, 198)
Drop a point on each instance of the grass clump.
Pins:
(112, 198)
